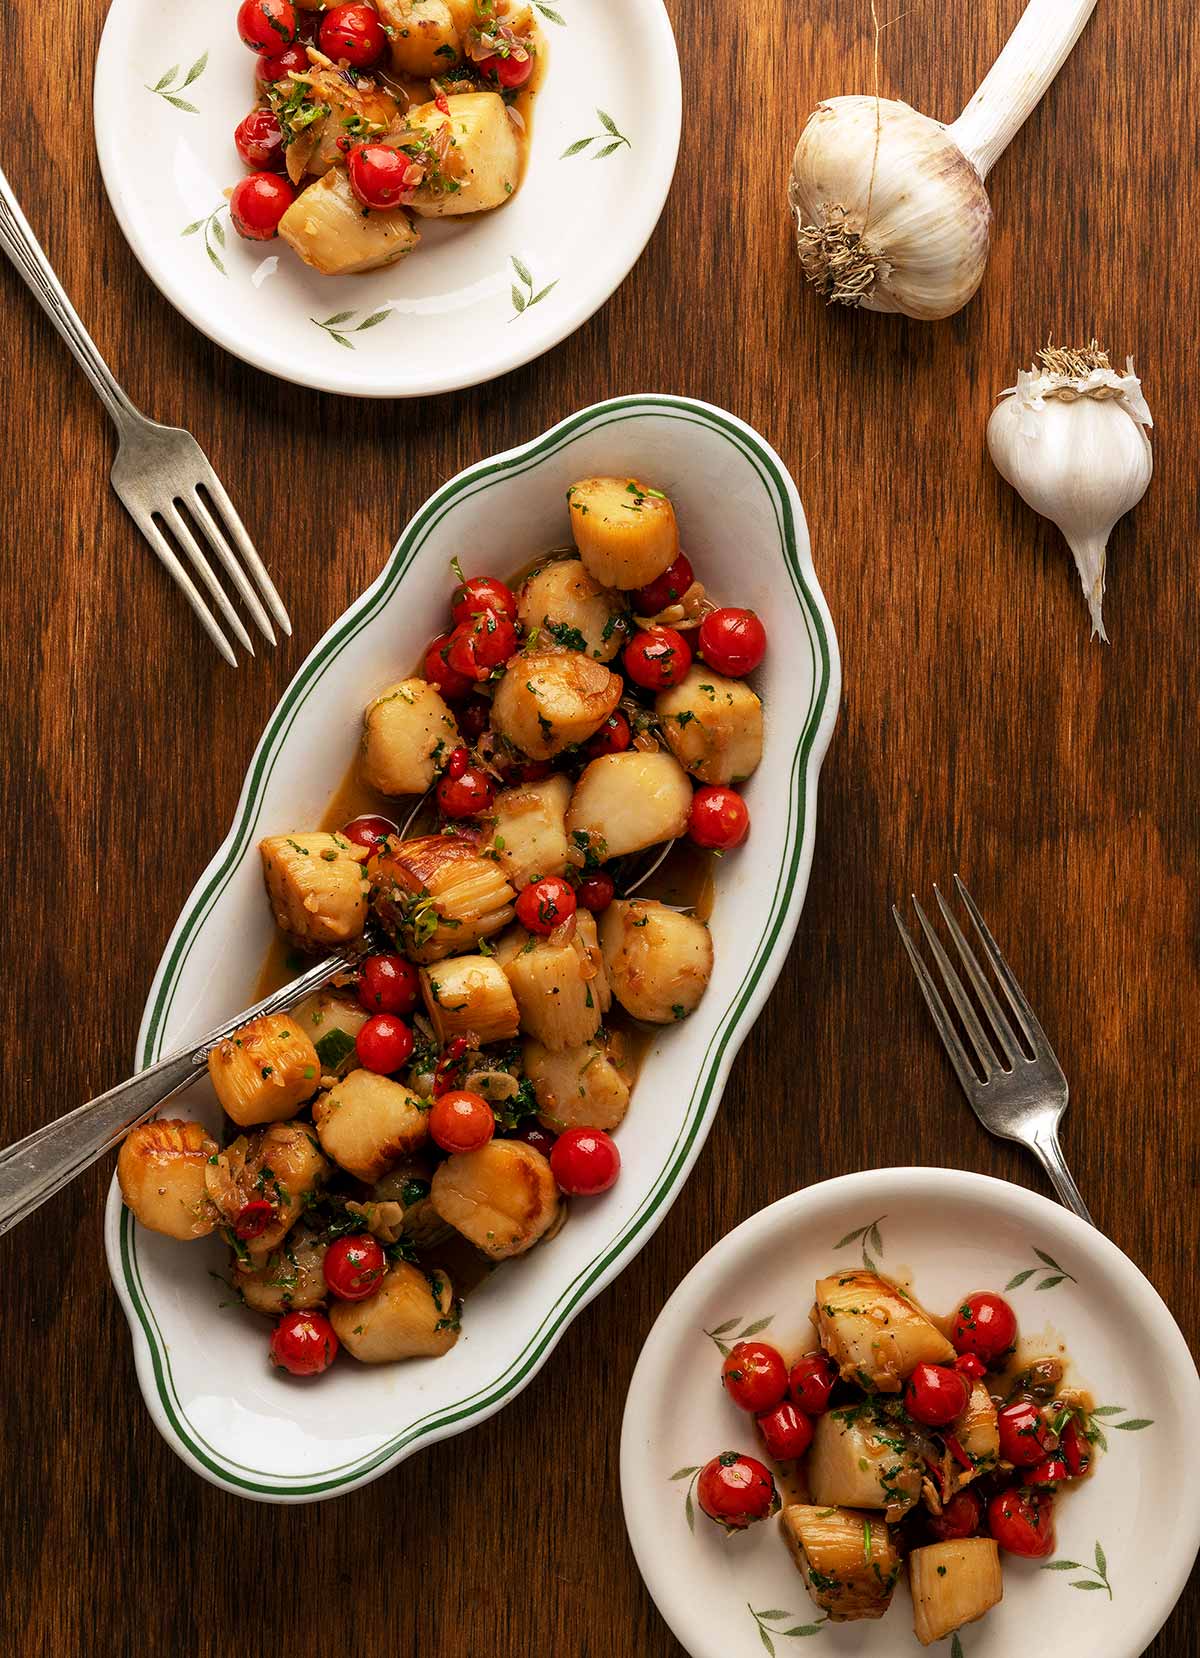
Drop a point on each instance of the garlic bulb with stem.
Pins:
(890, 206)
(1070, 437)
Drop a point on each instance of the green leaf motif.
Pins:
(1063, 1566)
(547, 289)
(875, 1238)
(766, 1640)
(804, 1629)
(1134, 1424)
(197, 69)
(181, 103)
(1087, 1583)
(574, 149)
(218, 230)
(724, 1329)
(166, 79)
(167, 89)
(690, 1511)
(190, 230)
(518, 299)
(1021, 1278)
(685, 1473)
(522, 271)
(851, 1237)
(1108, 1410)
(607, 150)
(868, 1262)
(753, 1330)
(956, 1646)
(607, 122)
(772, 1613)
(1051, 1283)
(554, 17)
(872, 1242)
(375, 319)
(1048, 1260)
(1101, 1561)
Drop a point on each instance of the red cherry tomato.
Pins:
(384, 1043)
(369, 831)
(732, 641)
(736, 1490)
(277, 66)
(453, 686)
(755, 1376)
(266, 25)
(479, 593)
(542, 905)
(1053, 1472)
(596, 891)
(986, 1325)
(718, 817)
(471, 792)
(585, 1161)
(961, 1517)
(811, 1380)
(786, 1431)
(1022, 1524)
(355, 33)
(303, 1344)
(971, 1366)
(1076, 1450)
(613, 737)
(259, 139)
(511, 71)
(474, 718)
(936, 1395)
(481, 644)
(257, 204)
(461, 1121)
(535, 1135)
(379, 175)
(1026, 1437)
(666, 589)
(254, 1219)
(657, 658)
(527, 771)
(354, 1266)
(388, 984)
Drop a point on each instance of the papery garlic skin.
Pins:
(1075, 449)
(878, 163)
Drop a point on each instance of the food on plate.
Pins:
(713, 725)
(907, 1440)
(377, 113)
(438, 1107)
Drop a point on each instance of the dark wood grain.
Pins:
(980, 731)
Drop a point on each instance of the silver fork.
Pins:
(1021, 1095)
(159, 471)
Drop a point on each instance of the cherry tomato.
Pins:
(986, 1325)
(453, 686)
(755, 1376)
(354, 1266)
(481, 644)
(257, 204)
(379, 175)
(388, 984)
(718, 817)
(961, 1517)
(1026, 1437)
(585, 1161)
(1022, 1524)
(369, 831)
(736, 1490)
(527, 771)
(657, 658)
(1053, 1472)
(811, 1380)
(259, 139)
(266, 25)
(542, 905)
(474, 718)
(303, 1344)
(534, 1134)
(384, 1043)
(461, 1121)
(596, 891)
(355, 33)
(471, 792)
(786, 1431)
(1076, 1450)
(479, 593)
(971, 1366)
(511, 71)
(254, 1219)
(732, 641)
(277, 66)
(666, 589)
(936, 1395)
(613, 737)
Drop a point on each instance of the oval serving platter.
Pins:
(481, 295)
(202, 1365)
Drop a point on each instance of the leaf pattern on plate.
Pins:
(1053, 1274)
(550, 14)
(335, 326)
(610, 140)
(691, 1474)
(214, 234)
(523, 296)
(169, 86)
(872, 1241)
(1099, 1572)
(1096, 1434)
(754, 1328)
(773, 1614)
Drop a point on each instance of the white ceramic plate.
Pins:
(480, 296)
(202, 1367)
(1134, 1526)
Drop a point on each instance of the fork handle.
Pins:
(25, 251)
(1049, 1152)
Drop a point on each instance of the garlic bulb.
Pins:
(890, 206)
(1070, 438)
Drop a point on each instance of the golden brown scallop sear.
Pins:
(367, 1123)
(503, 1197)
(316, 886)
(529, 838)
(161, 1171)
(626, 802)
(437, 895)
(559, 983)
(658, 961)
(408, 735)
(576, 1087)
(289, 1279)
(281, 1165)
(327, 228)
(564, 605)
(265, 1071)
(714, 726)
(548, 700)
(411, 1315)
(874, 1334)
(846, 1558)
(470, 996)
(625, 530)
(953, 1584)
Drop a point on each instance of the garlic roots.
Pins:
(1070, 437)
(890, 206)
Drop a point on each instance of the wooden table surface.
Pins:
(980, 731)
